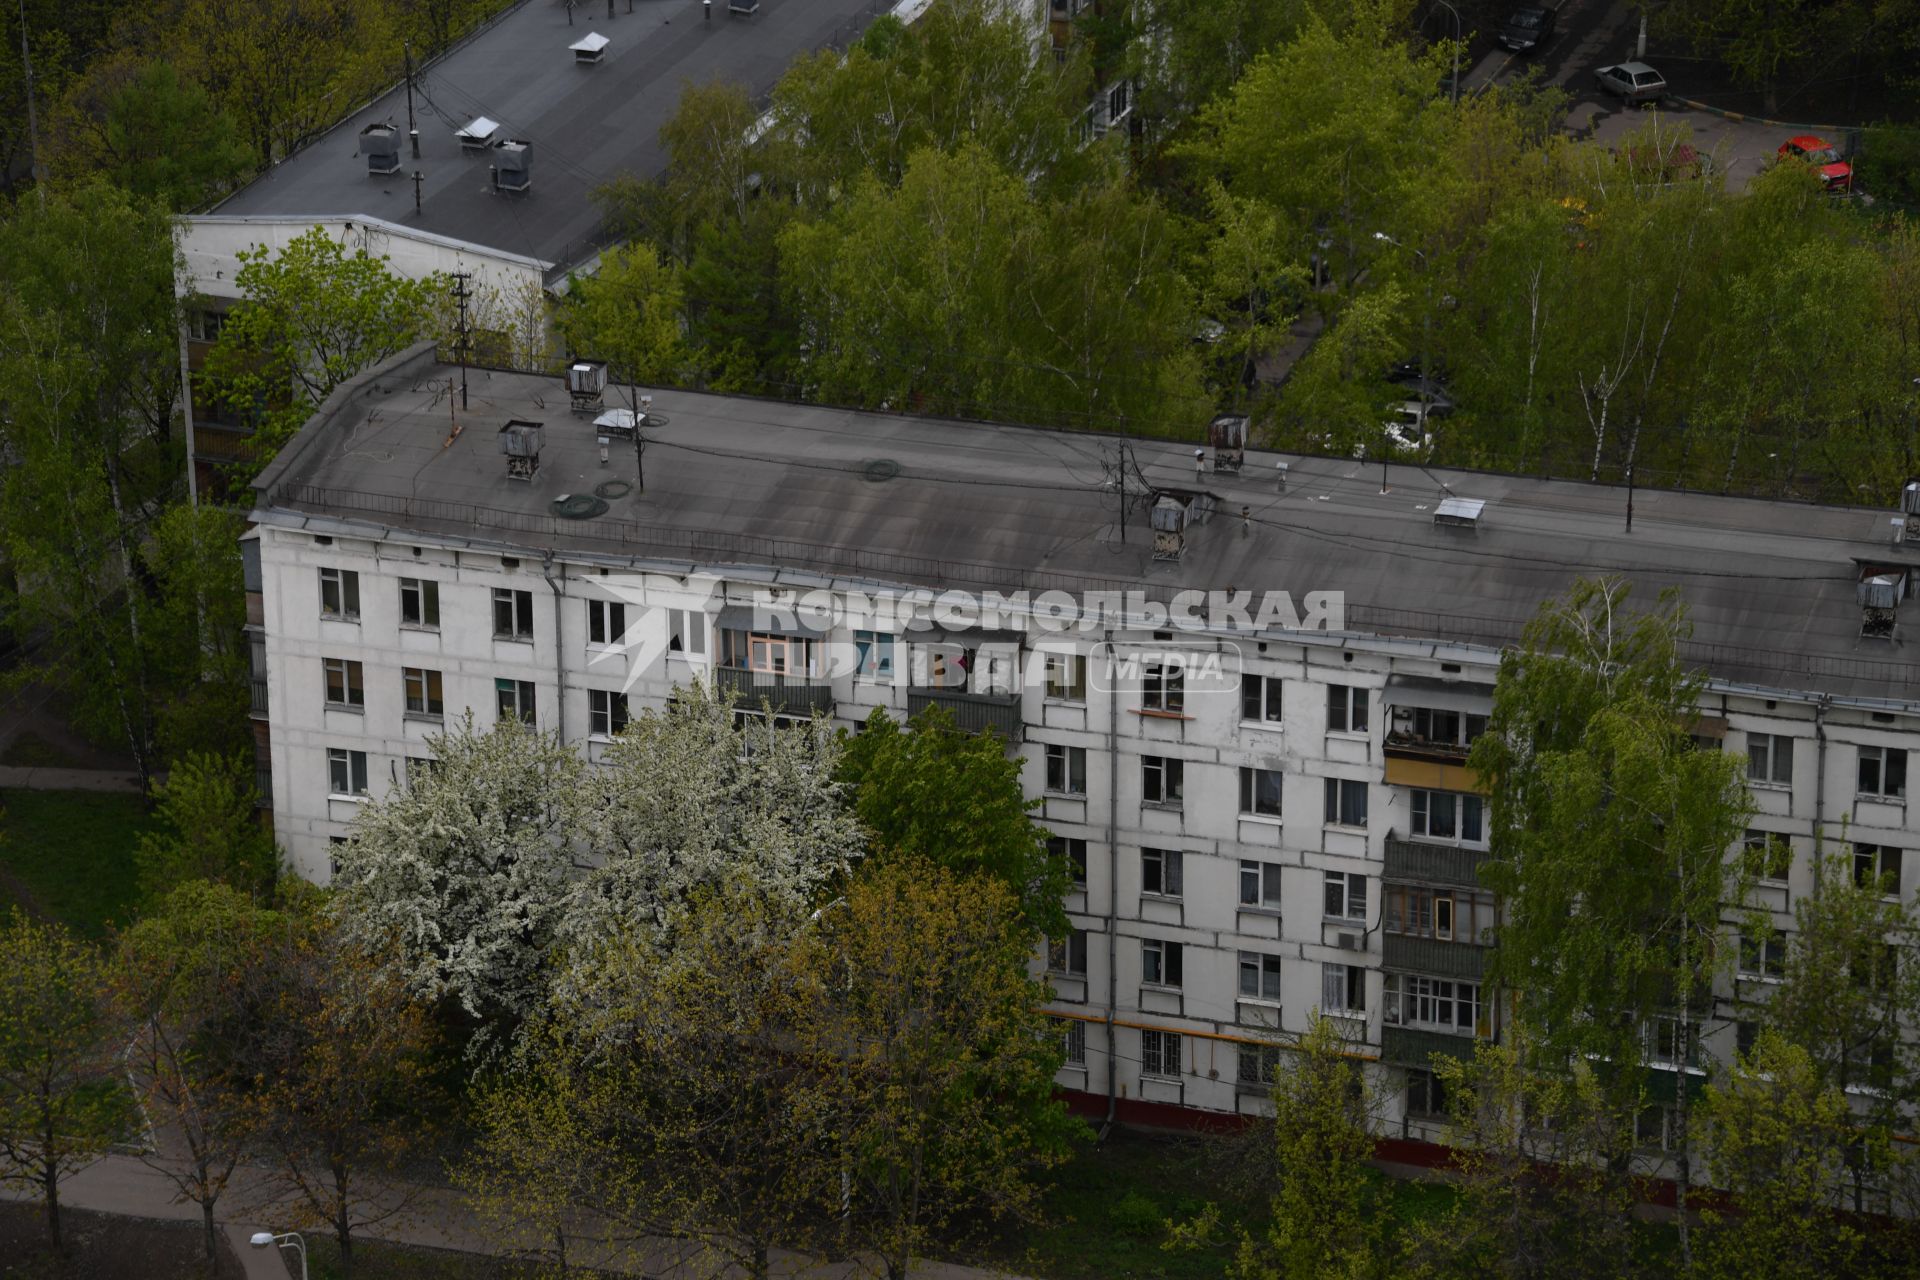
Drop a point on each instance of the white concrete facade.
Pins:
(1101, 797)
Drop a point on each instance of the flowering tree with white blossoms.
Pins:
(463, 873)
(691, 797)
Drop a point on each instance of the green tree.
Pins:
(1776, 1139)
(464, 873)
(209, 829)
(628, 313)
(1538, 1156)
(60, 1107)
(89, 369)
(928, 791)
(310, 317)
(201, 661)
(945, 1102)
(147, 129)
(1609, 840)
(177, 978)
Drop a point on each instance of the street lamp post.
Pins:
(286, 1240)
(1456, 47)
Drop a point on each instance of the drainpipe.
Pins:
(1820, 786)
(559, 647)
(1113, 890)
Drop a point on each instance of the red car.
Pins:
(1836, 173)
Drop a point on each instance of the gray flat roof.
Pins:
(587, 124)
(738, 481)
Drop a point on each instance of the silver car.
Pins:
(1634, 82)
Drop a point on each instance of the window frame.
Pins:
(1163, 687)
(1871, 858)
(1764, 851)
(1161, 1054)
(424, 604)
(1073, 851)
(1884, 763)
(1070, 953)
(606, 623)
(1264, 970)
(1066, 766)
(1342, 702)
(351, 684)
(1347, 985)
(1163, 781)
(1347, 882)
(1065, 676)
(608, 713)
(1162, 873)
(1169, 963)
(1265, 695)
(1338, 792)
(1420, 815)
(345, 584)
(431, 697)
(1265, 876)
(1251, 777)
(1770, 766)
(518, 617)
(1073, 1042)
(873, 654)
(525, 699)
(354, 764)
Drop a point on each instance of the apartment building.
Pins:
(1268, 806)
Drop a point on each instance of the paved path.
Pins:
(125, 1184)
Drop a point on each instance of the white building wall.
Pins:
(1207, 827)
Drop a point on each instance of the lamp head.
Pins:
(261, 1239)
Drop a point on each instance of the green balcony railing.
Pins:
(1425, 863)
(1432, 956)
(972, 712)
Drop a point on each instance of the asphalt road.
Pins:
(1595, 33)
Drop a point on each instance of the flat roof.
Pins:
(734, 481)
(587, 123)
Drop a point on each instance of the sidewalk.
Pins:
(124, 1184)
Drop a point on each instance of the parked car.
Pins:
(1634, 82)
(1406, 431)
(1836, 174)
(1528, 29)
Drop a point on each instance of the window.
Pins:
(1745, 1036)
(346, 772)
(1160, 1053)
(1259, 976)
(606, 619)
(1663, 1042)
(1448, 915)
(512, 614)
(1770, 759)
(1068, 955)
(343, 683)
(1343, 988)
(1160, 963)
(1073, 1042)
(1160, 872)
(606, 713)
(1448, 817)
(873, 655)
(1066, 770)
(204, 326)
(1260, 792)
(1067, 677)
(1763, 955)
(1447, 728)
(1162, 780)
(1346, 895)
(1768, 855)
(1165, 687)
(340, 594)
(1346, 803)
(1883, 772)
(1435, 1004)
(418, 768)
(1072, 851)
(515, 699)
(1260, 699)
(1880, 862)
(1426, 1093)
(687, 632)
(1346, 709)
(419, 602)
(1259, 884)
(423, 692)
(1259, 1064)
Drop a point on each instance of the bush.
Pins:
(1137, 1216)
(1888, 164)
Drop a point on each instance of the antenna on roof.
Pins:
(460, 295)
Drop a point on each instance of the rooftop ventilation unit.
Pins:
(520, 441)
(587, 384)
(380, 144)
(1173, 511)
(590, 48)
(1459, 513)
(1880, 591)
(1227, 434)
(1906, 525)
(512, 165)
(478, 133)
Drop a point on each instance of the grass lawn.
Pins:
(71, 854)
(104, 1247)
(375, 1261)
(31, 751)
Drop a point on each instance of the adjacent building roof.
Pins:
(734, 481)
(587, 123)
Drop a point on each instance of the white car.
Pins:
(1407, 430)
(1634, 82)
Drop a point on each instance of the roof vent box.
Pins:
(586, 384)
(1459, 513)
(520, 441)
(513, 165)
(1227, 434)
(590, 48)
(1880, 590)
(380, 144)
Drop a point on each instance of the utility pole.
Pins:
(413, 129)
(416, 191)
(460, 295)
(33, 118)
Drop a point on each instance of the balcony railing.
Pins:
(1424, 863)
(1414, 747)
(259, 697)
(787, 695)
(972, 712)
(1434, 956)
(1411, 1047)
